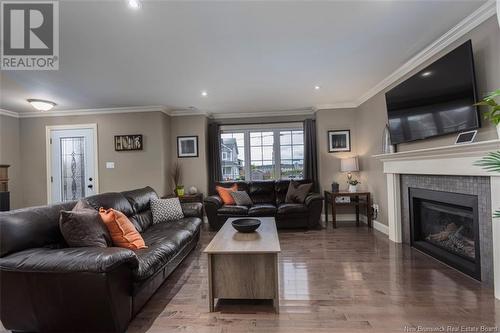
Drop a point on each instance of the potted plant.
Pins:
(491, 162)
(176, 179)
(353, 185)
(493, 114)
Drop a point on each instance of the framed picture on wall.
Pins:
(339, 141)
(128, 142)
(187, 146)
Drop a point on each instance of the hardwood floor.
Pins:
(344, 280)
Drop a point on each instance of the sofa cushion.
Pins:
(225, 193)
(31, 227)
(83, 227)
(281, 188)
(233, 210)
(140, 200)
(297, 192)
(262, 192)
(241, 198)
(165, 210)
(292, 208)
(122, 231)
(111, 200)
(262, 210)
(164, 241)
(142, 221)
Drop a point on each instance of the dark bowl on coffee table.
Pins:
(246, 225)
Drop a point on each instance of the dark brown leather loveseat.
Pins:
(268, 199)
(46, 286)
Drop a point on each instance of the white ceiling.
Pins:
(249, 56)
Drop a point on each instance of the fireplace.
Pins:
(445, 225)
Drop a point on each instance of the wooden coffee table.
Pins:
(244, 266)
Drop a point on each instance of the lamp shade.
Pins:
(349, 164)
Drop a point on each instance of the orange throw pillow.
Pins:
(122, 231)
(225, 194)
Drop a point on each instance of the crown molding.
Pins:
(191, 111)
(85, 112)
(477, 17)
(8, 113)
(263, 114)
(345, 105)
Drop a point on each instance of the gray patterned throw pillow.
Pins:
(241, 198)
(166, 210)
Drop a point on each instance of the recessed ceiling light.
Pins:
(204, 93)
(41, 105)
(317, 87)
(425, 74)
(134, 4)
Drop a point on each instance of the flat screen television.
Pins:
(436, 101)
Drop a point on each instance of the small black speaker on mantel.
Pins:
(335, 187)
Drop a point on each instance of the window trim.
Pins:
(276, 129)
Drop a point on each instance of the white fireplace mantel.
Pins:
(456, 160)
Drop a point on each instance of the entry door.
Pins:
(72, 164)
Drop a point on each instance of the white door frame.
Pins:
(48, 151)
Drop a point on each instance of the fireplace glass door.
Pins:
(445, 226)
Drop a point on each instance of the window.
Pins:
(273, 153)
(262, 155)
(292, 154)
(233, 156)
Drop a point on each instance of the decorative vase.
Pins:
(498, 130)
(387, 146)
(353, 188)
(179, 190)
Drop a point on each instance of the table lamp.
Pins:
(349, 165)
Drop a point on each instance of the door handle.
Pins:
(90, 186)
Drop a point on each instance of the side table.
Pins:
(355, 201)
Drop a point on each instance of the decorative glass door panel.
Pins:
(72, 168)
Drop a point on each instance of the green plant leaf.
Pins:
(497, 214)
(490, 162)
(493, 94)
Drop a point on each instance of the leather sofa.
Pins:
(268, 199)
(46, 286)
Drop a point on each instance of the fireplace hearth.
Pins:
(445, 226)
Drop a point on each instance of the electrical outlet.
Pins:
(375, 208)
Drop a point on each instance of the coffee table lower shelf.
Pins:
(243, 276)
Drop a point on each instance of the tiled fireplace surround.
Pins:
(473, 185)
(451, 169)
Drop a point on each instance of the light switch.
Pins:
(110, 165)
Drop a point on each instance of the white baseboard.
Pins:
(352, 217)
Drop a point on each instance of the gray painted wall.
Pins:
(133, 169)
(371, 116)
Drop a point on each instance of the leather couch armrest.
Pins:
(69, 260)
(192, 209)
(214, 200)
(312, 197)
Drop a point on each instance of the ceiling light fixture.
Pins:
(41, 105)
(317, 87)
(204, 93)
(134, 4)
(425, 74)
